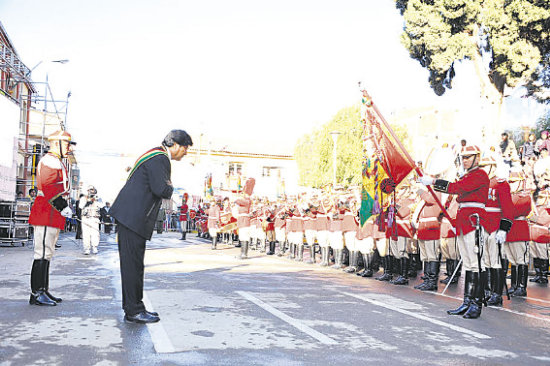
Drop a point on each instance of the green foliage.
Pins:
(543, 124)
(314, 151)
(515, 34)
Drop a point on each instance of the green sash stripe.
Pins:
(148, 155)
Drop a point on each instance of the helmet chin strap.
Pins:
(472, 166)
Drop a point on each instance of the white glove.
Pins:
(67, 212)
(500, 236)
(426, 180)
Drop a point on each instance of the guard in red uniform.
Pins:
(472, 191)
(516, 248)
(184, 209)
(214, 220)
(449, 243)
(402, 233)
(243, 219)
(540, 236)
(48, 214)
(499, 218)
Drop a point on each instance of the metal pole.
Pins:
(44, 111)
(334, 135)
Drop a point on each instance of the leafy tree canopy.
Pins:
(513, 35)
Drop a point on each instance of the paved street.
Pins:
(217, 310)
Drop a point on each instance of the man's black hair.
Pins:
(177, 136)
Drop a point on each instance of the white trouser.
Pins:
(336, 240)
(366, 246)
(322, 238)
(280, 234)
(90, 233)
(517, 252)
(449, 248)
(349, 240)
(311, 235)
(429, 250)
(491, 257)
(398, 248)
(244, 233)
(45, 238)
(466, 245)
(296, 237)
(213, 232)
(383, 246)
(539, 250)
(260, 234)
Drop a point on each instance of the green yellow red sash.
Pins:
(146, 156)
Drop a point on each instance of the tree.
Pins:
(313, 151)
(507, 40)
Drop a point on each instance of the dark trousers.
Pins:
(131, 249)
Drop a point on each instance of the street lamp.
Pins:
(334, 135)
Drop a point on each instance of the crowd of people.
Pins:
(495, 203)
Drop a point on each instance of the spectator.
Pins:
(543, 142)
(508, 149)
(527, 150)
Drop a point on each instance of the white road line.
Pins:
(418, 316)
(294, 322)
(498, 308)
(160, 338)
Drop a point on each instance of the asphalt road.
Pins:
(218, 310)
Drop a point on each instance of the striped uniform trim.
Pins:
(146, 156)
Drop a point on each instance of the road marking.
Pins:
(419, 316)
(294, 322)
(497, 308)
(160, 338)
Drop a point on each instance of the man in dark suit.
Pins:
(135, 211)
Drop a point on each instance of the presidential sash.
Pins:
(146, 156)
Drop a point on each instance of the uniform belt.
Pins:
(403, 221)
(40, 193)
(521, 218)
(242, 214)
(428, 219)
(537, 226)
(319, 216)
(492, 209)
(471, 204)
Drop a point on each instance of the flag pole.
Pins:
(411, 161)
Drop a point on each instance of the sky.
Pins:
(250, 75)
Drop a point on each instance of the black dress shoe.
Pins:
(154, 313)
(141, 318)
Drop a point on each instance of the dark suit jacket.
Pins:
(138, 202)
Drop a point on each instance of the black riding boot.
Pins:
(449, 267)
(183, 235)
(497, 284)
(538, 270)
(433, 276)
(271, 248)
(300, 256)
(353, 259)
(487, 282)
(387, 264)
(311, 259)
(244, 250)
(291, 254)
(544, 274)
(474, 310)
(338, 259)
(38, 284)
(469, 288)
(368, 272)
(47, 283)
(403, 278)
(214, 242)
(425, 271)
(513, 279)
(521, 290)
(412, 271)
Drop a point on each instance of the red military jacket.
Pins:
(429, 226)
(243, 207)
(296, 223)
(472, 190)
(309, 221)
(214, 218)
(348, 222)
(365, 231)
(270, 218)
(183, 212)
(403, 217)
(336, 223)
(447, 230)
(322, 222)
(522, 209)
(280, 222)
(52, 181)
(499, 204)
(539, 231)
